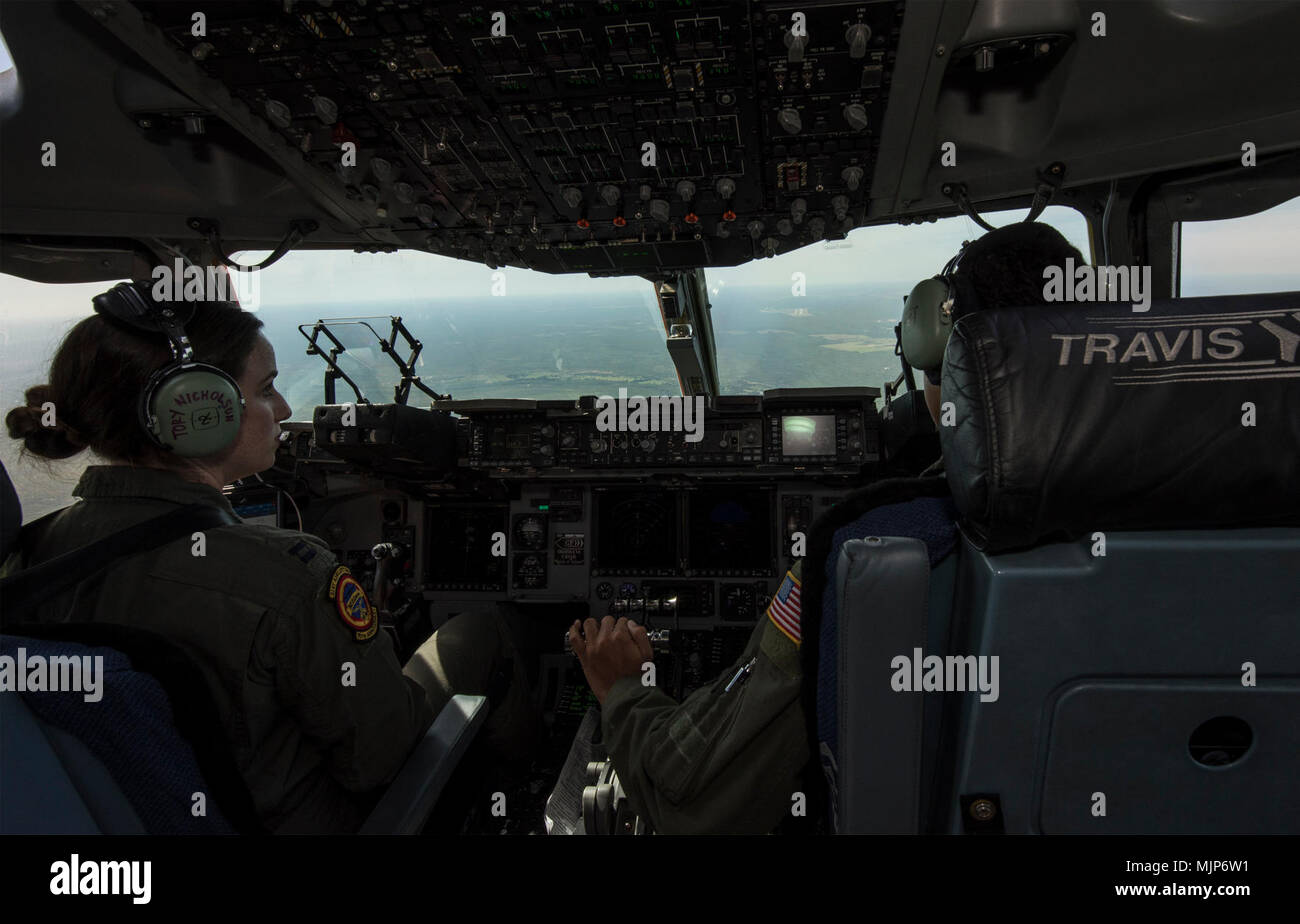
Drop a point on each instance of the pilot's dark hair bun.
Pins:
(1005, 266)
(43, 431)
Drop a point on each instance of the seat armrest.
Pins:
(883, 589)
(410, 799)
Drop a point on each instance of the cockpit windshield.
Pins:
(824, 315)
(819, 316)
(508, 333)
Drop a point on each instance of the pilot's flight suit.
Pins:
(720, 761)
(312, 698)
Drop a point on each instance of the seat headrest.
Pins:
(11, 514)
(1069, 419)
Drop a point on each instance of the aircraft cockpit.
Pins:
(644, 309)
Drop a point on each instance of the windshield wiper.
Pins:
(402, 390)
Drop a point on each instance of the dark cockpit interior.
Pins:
(662, 139)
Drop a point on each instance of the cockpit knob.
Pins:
(857, 36)
(326, 109)
(796, 44)
(572, 196)
(726, 187)
(686, 190)
(852, 177)
(281, 116)
(789, 120)
(659, 209)
(797, 210)
(610, 194)
(840, 204)
(855, 114)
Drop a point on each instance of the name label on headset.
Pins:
(203, 409)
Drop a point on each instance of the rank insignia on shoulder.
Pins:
(353, 605)
(784, 610)
(302, 551)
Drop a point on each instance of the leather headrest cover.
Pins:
(1076, 418)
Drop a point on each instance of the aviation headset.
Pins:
(934, 304)
(928, 316)
(190, 408)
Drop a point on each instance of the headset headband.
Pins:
(126, 302)
(950, 268)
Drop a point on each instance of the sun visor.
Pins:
(1063, 420)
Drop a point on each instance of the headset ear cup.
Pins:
(197, 408)
(926, 326)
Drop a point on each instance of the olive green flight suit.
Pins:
(719, 762)
(317, 709)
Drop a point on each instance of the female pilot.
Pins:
(315, 706)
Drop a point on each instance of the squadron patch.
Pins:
(353, 605)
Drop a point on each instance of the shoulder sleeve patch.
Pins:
(785, 610)
(353, 606)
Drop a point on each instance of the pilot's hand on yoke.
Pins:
(610, 651)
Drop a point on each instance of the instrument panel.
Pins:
(514, 502)
(686, 555)
(787, 430)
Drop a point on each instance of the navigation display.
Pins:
(636, 530)
(808, 435)
(730, 530)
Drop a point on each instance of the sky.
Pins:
(1258, 245)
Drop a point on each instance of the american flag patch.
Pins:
(784, 608)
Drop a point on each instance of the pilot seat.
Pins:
(131, 762)
(1126, 544)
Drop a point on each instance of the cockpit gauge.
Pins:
(530, 533)
(529, 572)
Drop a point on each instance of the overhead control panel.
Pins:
(612, 137)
